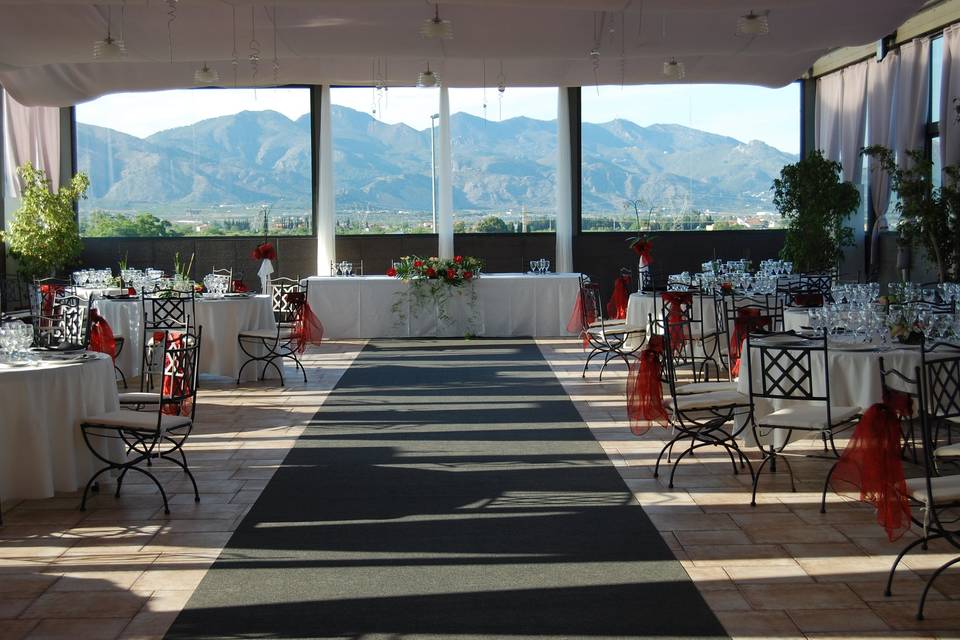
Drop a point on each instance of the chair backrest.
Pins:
(168, 309)
(786, 367)
(285, 307)
(67, 322)
(181, 365)
(679, 349)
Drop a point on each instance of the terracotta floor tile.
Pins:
(96, 580)
(834, 620)
(766, 573)
(160, 577)
(762, 534)
(721, 537)
(939, 616)
(72, 629)
(723, 555)
(759, 624)
(725, 600)
(666, 521)
(11, 607)
(25, 585)
(83, 604)
(801, 596)
(16, 629)
(148, 625)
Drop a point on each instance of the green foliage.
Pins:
(929, 217)
(815, 203)
(43, 236)
(493, 224)
(118, 225)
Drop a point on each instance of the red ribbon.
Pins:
(101, 335)
(808, 300)
(175, 382)
(871, 462)
(645, 389)
(748, 319)
(307, 328)
(580, 321)
(675, 317)
(48, 293)
(617, 305)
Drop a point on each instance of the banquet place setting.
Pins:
(466, 319)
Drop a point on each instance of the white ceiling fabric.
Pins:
(46, 45)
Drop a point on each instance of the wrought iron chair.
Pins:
(266, 346)
(612, 339)
(151, 435)
(687, 307)
(937, 495)
(738, 315)
(702, 417)
(785, 372)
(65, 326)
(163, 311)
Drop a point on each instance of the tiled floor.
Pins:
(123, 569)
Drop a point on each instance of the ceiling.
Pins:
(46, 46)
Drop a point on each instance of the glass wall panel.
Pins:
(697, 156)
(207, 162)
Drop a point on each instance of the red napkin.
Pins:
(645, 389)
(101, 335)
(871, 462)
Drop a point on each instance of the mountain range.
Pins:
(264, 157)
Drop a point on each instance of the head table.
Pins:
(222, 320)
(506, 304)
(41, 447)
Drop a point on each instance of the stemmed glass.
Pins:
(544, 266)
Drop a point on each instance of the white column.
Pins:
(445, 189)
(326, 203)
(564, 256)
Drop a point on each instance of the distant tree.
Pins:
(492, 224)
(118, 225)
(461, 227)
(727, 225)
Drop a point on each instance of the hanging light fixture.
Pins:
(674, 70)
(206, 75)
(109, 48)
(753, 24)
(426, 79)
(435, 27)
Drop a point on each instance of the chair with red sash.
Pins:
(149, 436)
(935, 494)
(747, 314)
(610, 338)
(686, 308)
(702, 417)
(162, 311)
(794, 372)
(297, 326)
(65, 325)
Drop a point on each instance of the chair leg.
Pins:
(183, 465)
(163, 494)
(826, 485)
(926, 589)
(90, 482)
(887, 592)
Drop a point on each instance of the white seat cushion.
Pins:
(948, 451)
(710, 399)
(808, 416)
(946, 489)
(137, 420)
(267, 334)
(618, 330)
(139, 397)
(706, 387)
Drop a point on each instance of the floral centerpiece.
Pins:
(435, 280)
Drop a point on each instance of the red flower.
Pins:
(264, 251)
(417, 264)
(458, 259)
(431, 272)
(392, 272)
(451, 273)
(468, 275)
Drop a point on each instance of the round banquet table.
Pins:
(42, 450)
(854, 378)
(222, 320)
(640, 306)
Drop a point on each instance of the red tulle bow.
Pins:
(48, 293)
(642, 248)
(871, 462)
(645, 389)
(901, 403)
(676, 300)
(582, 316)
(175, 383)
(617, 305)
(307, 328)
(238, 286)
(747, 320)
(101, 335)
(808, 300)
(264, 251)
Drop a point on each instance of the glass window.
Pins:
(201, 162)
(386, 166)
(696, 156)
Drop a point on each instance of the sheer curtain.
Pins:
(950, 91)
(881, 93)
(827, 114)
(445, 188)
(326, 201)
(564, 255)
(853, 123)
(31, 134)
(912, 98)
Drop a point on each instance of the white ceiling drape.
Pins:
(950, 98)
(913, 96)
(30, 134)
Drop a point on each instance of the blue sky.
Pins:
(740, 111)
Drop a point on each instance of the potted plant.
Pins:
(815, 203)
(44, 236)
(929, 216)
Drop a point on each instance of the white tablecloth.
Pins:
(507, 304)
(41, 447)
(222, 320)
(795, 318)
(640, 306)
